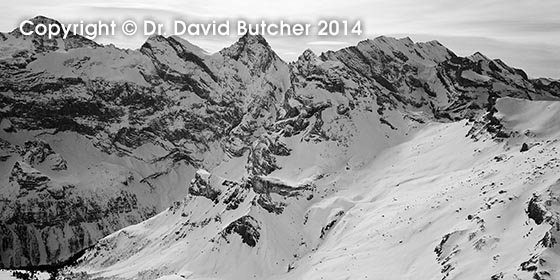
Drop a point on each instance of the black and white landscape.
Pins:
(391, 159)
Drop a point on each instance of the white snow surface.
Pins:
(434, 204)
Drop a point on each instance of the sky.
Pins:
(523, 33)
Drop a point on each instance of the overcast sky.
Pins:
(523, 33)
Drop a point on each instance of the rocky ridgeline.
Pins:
(169, 108)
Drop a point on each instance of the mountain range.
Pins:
(388, 159)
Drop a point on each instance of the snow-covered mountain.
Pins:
(490, 211)
(389, 159)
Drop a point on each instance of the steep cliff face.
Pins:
(60, 194)
(96, 138)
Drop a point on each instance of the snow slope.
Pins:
(439, 205)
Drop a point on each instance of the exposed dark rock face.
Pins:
(247, 227)
(263, 185)
(44, 211)
(445, 253)
(325, 230)
(201, 186)
(38, 151)
(524, 147)
(28, 178)
(261, 160)
(534, 210)
(543, 210)
(235, 195)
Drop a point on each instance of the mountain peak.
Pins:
(251, 48)
(253, 39)
(477, 56)
(44, 43)
(40, 19)
(44, 19)
(406, 49)
(407, 40)
(307, 55)
(177, 43)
